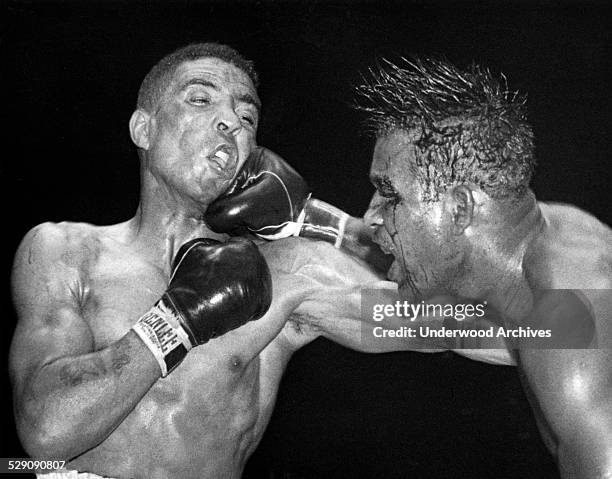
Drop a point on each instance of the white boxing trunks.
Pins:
(70, 475)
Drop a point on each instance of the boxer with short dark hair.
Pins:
(160, 76)
(451, 167)
(154, 347)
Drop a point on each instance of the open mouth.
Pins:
(223, 160)
(386, 246)
(386, 249)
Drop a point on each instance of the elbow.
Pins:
(44, 438)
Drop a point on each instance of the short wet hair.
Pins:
(159, 77)
(471, 128)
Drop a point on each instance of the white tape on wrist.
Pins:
(297, 225)
(285, 230)
(162, 333)
(341, 226)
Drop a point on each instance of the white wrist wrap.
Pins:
(341, 226)
(285, 230)
(161, 331)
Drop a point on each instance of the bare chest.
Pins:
(218, 399)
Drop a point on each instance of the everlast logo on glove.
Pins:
(162, 338)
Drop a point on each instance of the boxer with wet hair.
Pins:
(452, 163)
(154, 348)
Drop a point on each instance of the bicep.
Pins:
(330, 281)
(49, 321)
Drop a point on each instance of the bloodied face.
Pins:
(416, 229)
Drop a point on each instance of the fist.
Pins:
(266, 196)
(216, 287)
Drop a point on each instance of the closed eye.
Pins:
(199, 100)
(385, 189)
(250, 120)
(388, 193)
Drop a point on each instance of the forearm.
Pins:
(328, 223)
(344, 322)
(73, 403)
(336, 291)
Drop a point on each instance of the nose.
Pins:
(227, 121)
(373, 216)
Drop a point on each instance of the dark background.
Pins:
(70, 74)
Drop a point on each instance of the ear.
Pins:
(140, 128)
(462, 208)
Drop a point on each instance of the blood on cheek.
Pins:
(390, 220)
(399, 227)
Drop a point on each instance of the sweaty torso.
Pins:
(571, 383)
(207, 416)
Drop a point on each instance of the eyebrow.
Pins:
(379, 180)
(248, 98)
(242, 97)
(382, 183)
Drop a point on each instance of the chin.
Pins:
(215, 188)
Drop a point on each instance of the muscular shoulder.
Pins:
(570, 218)
(576, 250)
(57, 243)
(51, 257)
(316, 259)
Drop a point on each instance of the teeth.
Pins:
(222, 155)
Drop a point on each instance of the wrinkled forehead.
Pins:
(394, 154)
(216, 71)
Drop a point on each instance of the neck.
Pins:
(495, 266)
(162, 225)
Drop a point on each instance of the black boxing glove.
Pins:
(214, 288)
(271, 200)
(266, 198)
